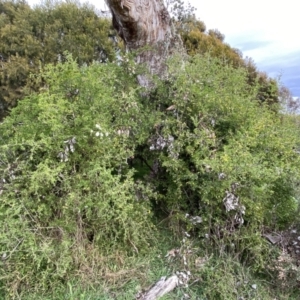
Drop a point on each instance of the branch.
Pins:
(161, 288)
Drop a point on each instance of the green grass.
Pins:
(219, 277)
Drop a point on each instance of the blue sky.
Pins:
(265, 30)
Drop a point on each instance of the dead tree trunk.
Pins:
(145, 26)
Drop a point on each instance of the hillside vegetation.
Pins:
(106, 187)
(34, 37)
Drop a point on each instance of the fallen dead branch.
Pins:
(161, 288)
(164, 286)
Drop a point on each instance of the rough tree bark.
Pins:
(145, 25)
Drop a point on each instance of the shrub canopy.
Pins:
(92, 161)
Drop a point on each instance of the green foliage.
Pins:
(33, 37)
(68, 196)
(225, 278)
(227, 158)
(215, 33)
(92, 161)
(197, 41)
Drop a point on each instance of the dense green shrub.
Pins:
(67, 188)
(227, 159)
(91, 161)
(34, 37)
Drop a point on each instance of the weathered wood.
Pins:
(273, 238)
(161, 288)
(145, 26)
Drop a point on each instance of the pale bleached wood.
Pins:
(161, 288)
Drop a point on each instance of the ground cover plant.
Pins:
(100, 179)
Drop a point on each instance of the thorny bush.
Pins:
(91, 162)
